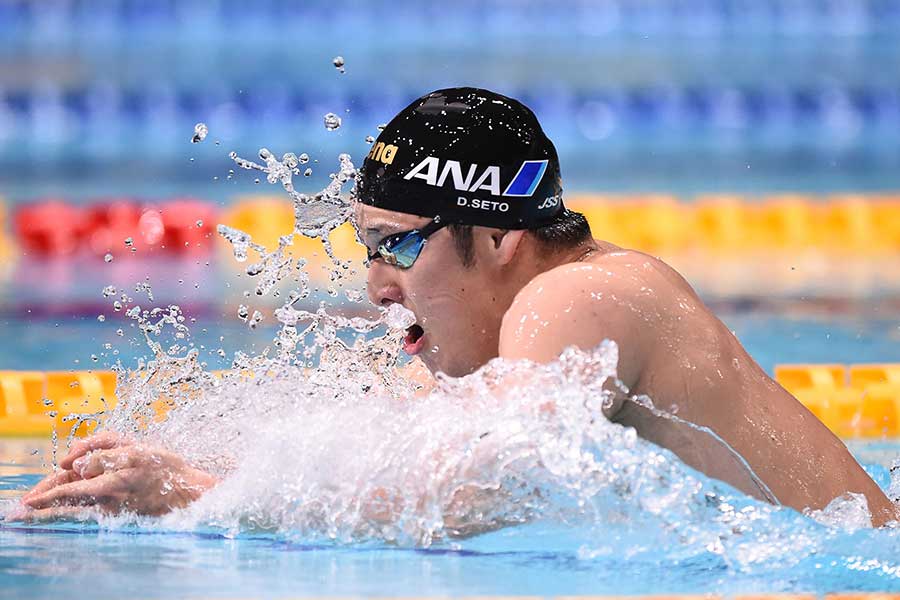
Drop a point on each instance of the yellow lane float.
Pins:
(840, 225)
(859, 401)
(266, 218)
(6, 244)
(32, 403)
(853, 401)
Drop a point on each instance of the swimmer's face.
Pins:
(460, 324)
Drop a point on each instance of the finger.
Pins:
(51, 481)
(98, 462)
(57, 513)
(81, 492)
(101, 441)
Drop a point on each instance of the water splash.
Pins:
(332, 122)
(319, 436)
(200, 133)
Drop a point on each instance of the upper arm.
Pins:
(581, 305)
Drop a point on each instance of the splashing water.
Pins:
(200, 133)
(332, 122)
(321, 437)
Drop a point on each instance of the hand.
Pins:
(109, 473)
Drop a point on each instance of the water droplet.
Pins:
(370, 139)
(129, 241)
(108, 258)
(332, 121)
(339, 63)
(119, 332)
(109, 290)
(256, 180)
(382, 126)
(101, 318)
(94, 357)
(307, 172)
(243, 312)
(303, 158)
(117, 306)
(232, 155)
(199, 223)
(200, 131)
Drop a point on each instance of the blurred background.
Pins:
(752, 143)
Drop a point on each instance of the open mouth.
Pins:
(414, 340)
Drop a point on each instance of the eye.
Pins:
(392, 240)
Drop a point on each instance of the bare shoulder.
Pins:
(619, 295)
(626, 279)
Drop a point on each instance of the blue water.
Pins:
(685, 98)
(544, 558)
(771, 337)
(539, 559)
(699, 95)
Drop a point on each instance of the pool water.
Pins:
(772, 335)
(621, 552)
(538, 559)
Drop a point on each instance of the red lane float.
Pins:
(114, 221)
(119, 226)
(50, 227)
(188, 224)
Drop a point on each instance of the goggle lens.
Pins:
(402, 250)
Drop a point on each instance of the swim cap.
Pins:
(468, 155)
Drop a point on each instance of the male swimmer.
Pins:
(461, 208)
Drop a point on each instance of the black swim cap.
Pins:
(469, 156)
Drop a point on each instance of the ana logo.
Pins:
(383, 153)
(523, 184)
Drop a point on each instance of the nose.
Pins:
(385, 295)
(382, 291)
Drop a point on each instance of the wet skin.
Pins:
(519, 301)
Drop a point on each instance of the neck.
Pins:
(578, 253)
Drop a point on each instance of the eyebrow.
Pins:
(383, 229)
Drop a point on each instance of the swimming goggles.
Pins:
(402, 249)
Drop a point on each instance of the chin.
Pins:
(434, 363)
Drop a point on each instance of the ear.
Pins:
(504, 243)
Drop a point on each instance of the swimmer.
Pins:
(460, 204)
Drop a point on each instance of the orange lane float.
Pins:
(855, 401)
